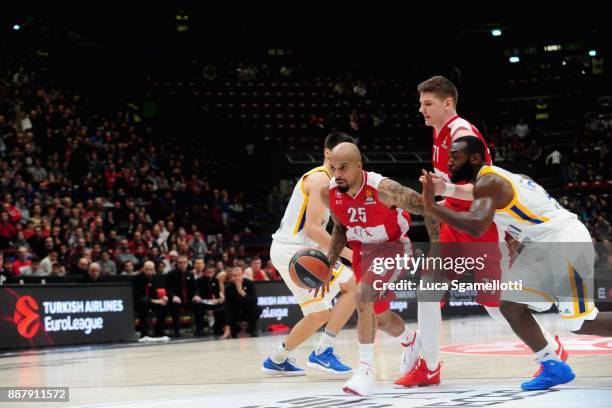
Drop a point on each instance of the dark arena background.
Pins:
(147, 158)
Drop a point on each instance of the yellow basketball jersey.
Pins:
(533, 213)
(291, 230)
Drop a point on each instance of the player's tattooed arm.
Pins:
(393, 194)
(338, 241)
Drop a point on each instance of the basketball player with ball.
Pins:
(370, 211)
(303, 226)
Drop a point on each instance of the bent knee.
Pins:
(320, 317)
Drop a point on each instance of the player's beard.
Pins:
(466, 172)
(343, 189)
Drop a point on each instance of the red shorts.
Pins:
(364, 258)
(493, 261)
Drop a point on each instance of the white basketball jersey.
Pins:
(533, 213)
(291, 230)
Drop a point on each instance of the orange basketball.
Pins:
(309, 268)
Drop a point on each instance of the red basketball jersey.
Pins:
(441, 145)
(366, 219)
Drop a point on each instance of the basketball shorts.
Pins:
(560, 271)
(371, 274)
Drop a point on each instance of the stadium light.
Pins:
(496, 32)
(16, 27)
(592, 53)
(514, 59)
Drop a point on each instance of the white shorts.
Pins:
(281, 254)
(559, 271)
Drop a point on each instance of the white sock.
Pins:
(326, 340)
(430, 322)
(366, 356)
(547, 353)
(280, 354)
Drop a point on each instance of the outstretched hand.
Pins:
(439, 183)
(429, 194)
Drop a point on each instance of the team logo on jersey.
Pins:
(369, 197)
(338, 194)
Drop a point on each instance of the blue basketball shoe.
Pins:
(553, 373)
(327, 361)
(286, 368)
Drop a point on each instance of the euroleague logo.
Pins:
(579, 345)
(26, 317)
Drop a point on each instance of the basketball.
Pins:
(309, 268)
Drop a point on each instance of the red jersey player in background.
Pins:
(438, 105)
(369, 212)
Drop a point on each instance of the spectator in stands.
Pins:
(255, 272)
(521, 129)
(20, 240)
(275, 202)
(603, 229)
(170, 263)
(108, 266)
(37, 242)
(241, 303)
(6, 270)
(93, 274)
(48, 247)
(272, 272)
(197, 246)
(123, 255)
(23, 264)
(181, 292)
(554, 161)
(7, 230)
(58, 269)
(198, 268)
(147, 299)
(46, 265)
(81, 268)
(128, 268)
(35, 267)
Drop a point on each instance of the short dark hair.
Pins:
(473, 145)
(335, 138)
(441, 87)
